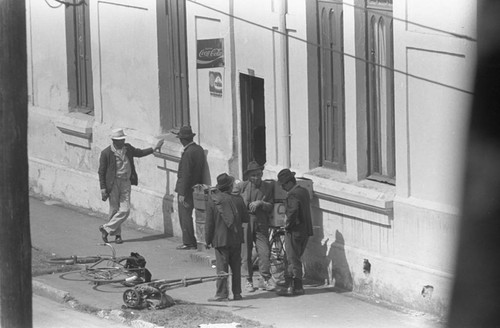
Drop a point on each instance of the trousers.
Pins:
(186, 223)
(258, 234)
(228, 257)
(295, 245)
(119, 206)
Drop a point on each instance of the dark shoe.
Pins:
(237, 297)
(218, 299)
(186, 247)
(298, 287)
(104, 234)
(118, 239)
(286, 288)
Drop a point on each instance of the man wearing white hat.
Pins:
(116, 176)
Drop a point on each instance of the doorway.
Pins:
(253, 121)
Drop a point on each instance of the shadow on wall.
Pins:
(339, 273)
(324, 260)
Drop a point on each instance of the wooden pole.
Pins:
(15, 239)
(476, 290)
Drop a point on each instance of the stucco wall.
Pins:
(407, 231)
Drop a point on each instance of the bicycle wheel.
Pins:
(108, 275)
(278, 257)
(73, 260)
(132, 298)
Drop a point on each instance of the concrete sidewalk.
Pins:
(63, 230)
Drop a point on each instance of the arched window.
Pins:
(380, 111)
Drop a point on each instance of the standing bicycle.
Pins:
(278, 253)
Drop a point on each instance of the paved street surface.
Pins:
(64, 231)
(50, 314)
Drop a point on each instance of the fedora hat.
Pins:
(118, 134)
(285, 175)
(223, 181)
(253, 166)
(185, 132)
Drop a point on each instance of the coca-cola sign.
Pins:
(210, 53)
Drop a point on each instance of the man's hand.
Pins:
(104, 195)
(181, 200)
(208, 246)
(158, 145)
(254, 205)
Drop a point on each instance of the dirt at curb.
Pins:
(182, 314)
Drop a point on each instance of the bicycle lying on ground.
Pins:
(105, 269)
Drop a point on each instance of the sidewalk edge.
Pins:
(42, 289)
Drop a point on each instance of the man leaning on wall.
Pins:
(117, 174)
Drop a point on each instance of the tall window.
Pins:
(332, 84)
(381, 134)
(172, 58)
(79, 60)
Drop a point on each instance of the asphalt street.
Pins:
(50, 314)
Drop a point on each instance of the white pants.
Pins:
(119, 206)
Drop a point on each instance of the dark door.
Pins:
(253, 122)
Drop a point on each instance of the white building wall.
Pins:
(407, 231)
(63, 165)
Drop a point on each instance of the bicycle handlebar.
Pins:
(110, 246)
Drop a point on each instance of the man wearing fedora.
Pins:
(189, 174)
(258, 196)
(223, 230)
(116, 176)
(298, 227)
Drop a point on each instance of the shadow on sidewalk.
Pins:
(147, 238)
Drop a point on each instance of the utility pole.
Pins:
(15, 239)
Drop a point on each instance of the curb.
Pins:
(44, 290)
(41, 289)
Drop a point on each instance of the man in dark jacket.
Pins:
(298, 226)
(223, 230)
(189, 174)
(116, 175)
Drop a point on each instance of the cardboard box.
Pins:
(278, 216)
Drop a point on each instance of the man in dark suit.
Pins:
(116, 176)
(189, 174)
(223, 230)
(298, 226)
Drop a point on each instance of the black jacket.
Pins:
(190, 171)
(107, 165)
